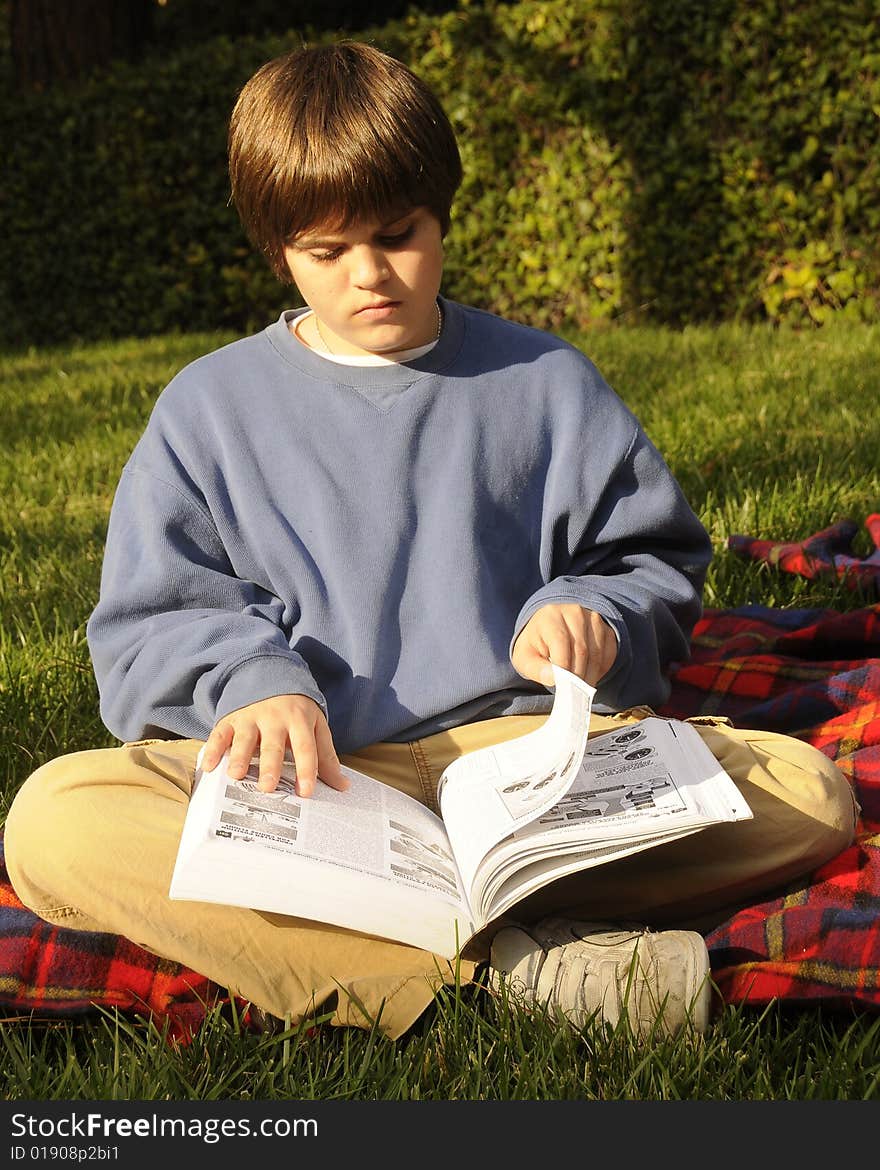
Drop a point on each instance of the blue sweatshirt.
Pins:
(376, 537)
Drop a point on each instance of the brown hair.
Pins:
(333, 134)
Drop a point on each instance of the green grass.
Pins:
(772, 434)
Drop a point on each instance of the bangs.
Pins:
(353, 189)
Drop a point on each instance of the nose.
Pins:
(370, 267)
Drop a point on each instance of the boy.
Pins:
(364, 534)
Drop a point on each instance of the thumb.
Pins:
(530, 664)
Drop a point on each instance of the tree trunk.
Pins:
(55, 42)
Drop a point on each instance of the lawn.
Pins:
(773, 434)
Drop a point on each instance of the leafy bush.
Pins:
(624, 159)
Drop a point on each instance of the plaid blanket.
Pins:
(51, 972)
(828, 553)
(811, 673)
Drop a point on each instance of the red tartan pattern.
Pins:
(54, 972)
(825, 553)
(813, 674)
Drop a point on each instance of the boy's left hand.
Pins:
(570, 636)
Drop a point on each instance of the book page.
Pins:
(487, 794)
(636, 787)
(510, 884)
(370, 858)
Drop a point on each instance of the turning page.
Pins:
(489, 793)
(637, 786)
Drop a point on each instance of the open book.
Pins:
(515, 817)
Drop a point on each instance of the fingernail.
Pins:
(547, 677)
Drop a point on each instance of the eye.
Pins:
(397, 239)
(329, 257)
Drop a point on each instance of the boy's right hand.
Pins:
(268, 728)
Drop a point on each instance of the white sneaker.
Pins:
(658, 980)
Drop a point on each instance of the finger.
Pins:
(568, 646)
(242, 749)
(578, 626)
(305, 757)
(329, 768)
(272, 748)
(215, 745)
(602, 650)
(559, 649)
(595, 668)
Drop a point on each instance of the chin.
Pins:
(386, 343)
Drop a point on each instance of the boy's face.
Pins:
(372, 286)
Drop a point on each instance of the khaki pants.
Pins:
(91, 840)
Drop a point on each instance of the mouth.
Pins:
(378, 311)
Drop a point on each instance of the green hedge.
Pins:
(646, 160)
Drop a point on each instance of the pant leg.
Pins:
(91, 839)
(804, 813)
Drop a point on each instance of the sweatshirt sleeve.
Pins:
(177, 639)
(632, 551)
